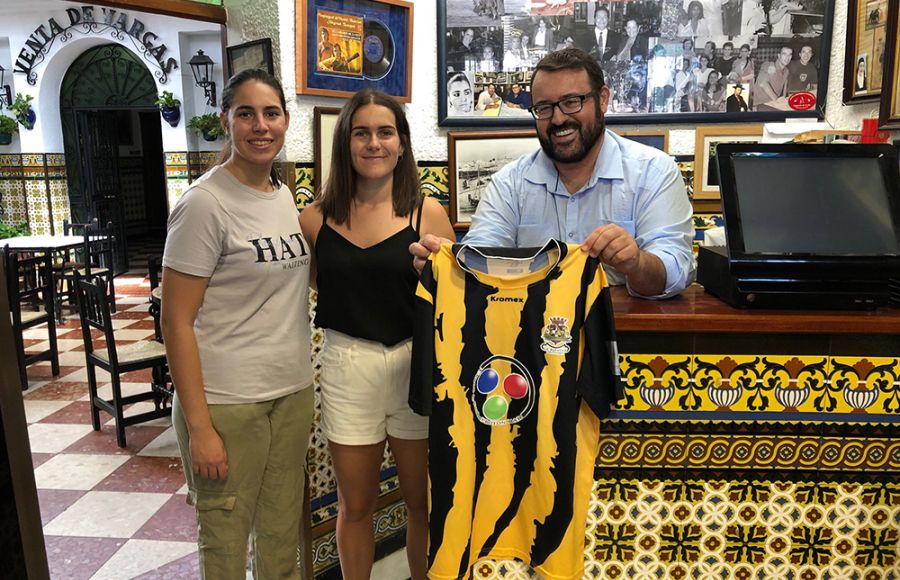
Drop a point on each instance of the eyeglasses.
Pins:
(568, 105)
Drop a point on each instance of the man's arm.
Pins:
(657, 262)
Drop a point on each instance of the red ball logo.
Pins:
(515, 385)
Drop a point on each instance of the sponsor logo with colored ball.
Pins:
(502, 391)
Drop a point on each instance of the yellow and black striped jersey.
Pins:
(514, 359)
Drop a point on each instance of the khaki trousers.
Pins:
(262, 497)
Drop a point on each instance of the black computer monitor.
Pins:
(811, 211)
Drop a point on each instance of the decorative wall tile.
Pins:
(761, 383)
(59, 197)
(728, 528)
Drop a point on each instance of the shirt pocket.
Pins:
(532, 235)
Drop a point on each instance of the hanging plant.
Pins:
(169, 108)
(8, 126)
(208, 125)
(21, 107)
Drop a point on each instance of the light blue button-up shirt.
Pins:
(634, 186)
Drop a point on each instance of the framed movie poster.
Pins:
(473, 158)
(706, 172)
(345, 45)
(253, 54)
(864, 52)
(663, 60)
(889, 110)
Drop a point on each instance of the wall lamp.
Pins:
(5, 91)
(202, 67)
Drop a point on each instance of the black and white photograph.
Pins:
(474, 157)
(661, 59)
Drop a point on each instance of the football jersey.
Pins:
(514, 359)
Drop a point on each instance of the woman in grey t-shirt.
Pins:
(235, 322)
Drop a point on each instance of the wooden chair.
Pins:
(93, 305)
(154, 270)
(65, 262)
(31, 301)
(95, 258)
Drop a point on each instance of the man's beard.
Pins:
(588, 136)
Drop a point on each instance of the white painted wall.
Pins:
(251, 19)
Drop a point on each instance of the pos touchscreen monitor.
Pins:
(812, 219)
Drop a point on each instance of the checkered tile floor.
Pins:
(107, 512)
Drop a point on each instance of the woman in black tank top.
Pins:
(360, 230)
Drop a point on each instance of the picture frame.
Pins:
(889, 108)
(864, 53)
(324, 123)
(706, 182)
(253, 54)
(479, 42)
(656, 138)
(343, 46)
(473, 158)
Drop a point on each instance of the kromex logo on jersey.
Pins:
(505, 299)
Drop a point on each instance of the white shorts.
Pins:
(364, 391)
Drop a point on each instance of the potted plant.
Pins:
(8, 126)
(208, 125)
(169, 107)
(21, 107)
(14, 231)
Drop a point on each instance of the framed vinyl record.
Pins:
(345, 45)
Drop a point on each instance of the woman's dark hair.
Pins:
(691, 4)
(571, 59)
(340, 188)
(228, 92)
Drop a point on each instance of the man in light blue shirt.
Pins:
(622, 201)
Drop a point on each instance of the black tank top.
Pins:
(367, 292)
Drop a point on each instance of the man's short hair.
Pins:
(727, 44)
(601, 9)
(571, 59)
(708, 42)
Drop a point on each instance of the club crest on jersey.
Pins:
(556, 336)
(502, 391)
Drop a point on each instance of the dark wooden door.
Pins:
(98, 149)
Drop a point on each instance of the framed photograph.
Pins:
(346, 45)
(656, 138)
(662, 60)
(889, 111)
(253, 54)
(706, 172)
(864, 54)
(473, 158)
(324, 123)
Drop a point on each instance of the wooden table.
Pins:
(42, 243)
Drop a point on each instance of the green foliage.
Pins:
(20, 108)
(14, 231)
(167, 99)
(207, 124)
(8, 125)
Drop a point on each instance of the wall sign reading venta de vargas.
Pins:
(90, 20)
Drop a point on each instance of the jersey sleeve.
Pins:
(599, 381)
(424, 363)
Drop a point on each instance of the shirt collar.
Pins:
(607, 166)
